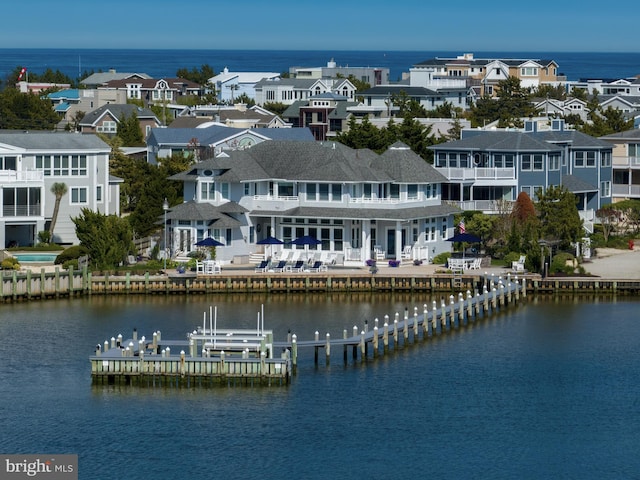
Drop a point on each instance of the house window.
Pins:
(605, 159)
(108, 126)
(464, 160)
(489, 89)
(538, 162)
(579, 159)
(78, 165)
(323, 190)
(444, 228)
(591, 159)
(207, 191)
(78, 195)
(605, 189)
(394, 191)
(8, 163)
(529, 71)
(412, 191)
(285, 189)
(526, 162)
(224, 190)
(270, 95)
(634, 150)
(441, 161)
(99, 193)
(312, 191)
(336, 192)
(554, 162)
(227, 236)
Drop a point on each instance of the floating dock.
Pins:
(246, 357)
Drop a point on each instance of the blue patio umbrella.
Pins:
(306, 240)
(269, 241)
(464, 237)
(209, 242)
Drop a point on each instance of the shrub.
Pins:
(10, 263)
(560, 263)
(441, 258)
(70, 263)
(71, 253)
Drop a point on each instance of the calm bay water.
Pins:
(547, 389)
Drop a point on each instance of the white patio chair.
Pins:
(518, 266)
(406, 253)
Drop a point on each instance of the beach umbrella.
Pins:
(306, 240)
(464, 237)
(209, 242)
(269, 241)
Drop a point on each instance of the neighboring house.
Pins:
(30, 163)
(100, 79)
(231, 85)
(621, 86)
(484, 72)
(487, 170)
(290, 90)
(154, 91)
(211, 140)
(353, 201)
(106, 119)
(381, 98)
(38, 87)
(325, 115)
(551, 107)
(236, 116)
(626, 164)
(371, 75)
(626, 104)
(69, 102)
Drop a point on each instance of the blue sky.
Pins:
(339, 25)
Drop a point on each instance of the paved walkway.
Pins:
(609, 263)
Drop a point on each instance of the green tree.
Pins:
(26, 111)
(513, 103)
(59, 190)
(417, 136)
(559, 218)
(107, 238)
(365, 135)
(129, 131)
(275, 107)
(556, 92)
(605, 122)
(200, 75)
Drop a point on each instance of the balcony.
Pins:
(477, 173)
(626, 162)
(21, 211)
(630, 191)
(21, 176)
(484, 206)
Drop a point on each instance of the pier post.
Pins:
(316, 347)
(462, 319)
(516, 293)
(375, 341)
(405, 328)
(426, 325)
(453, 319)
(494, 298)
(486, 300)
(355, 346)
(434, 318)
(415, 323)
(344, 336)
(443, 315)
(327, 348)
(469, 306)
(501, 294)
(363, 348)
(385, 334)
(294, 350)
(396, 340)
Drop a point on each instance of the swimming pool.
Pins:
(36, 257)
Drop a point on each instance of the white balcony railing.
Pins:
(632, 191)
(376, 201)
(478, 173)
(21, 211)
(13, 176)
(630, 162)
(485, 206)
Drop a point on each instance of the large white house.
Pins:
(30, 163)
(358, 204)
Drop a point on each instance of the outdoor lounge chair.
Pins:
(298, 266)
(280, 266)
(263, 266)
(318, 266)
(518, 266)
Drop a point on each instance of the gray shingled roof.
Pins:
(217, 216)
(317, 161)
(577, 185)
(53, 141)
(633, 134)
(117, 110)
(217, 133)
(400, 214)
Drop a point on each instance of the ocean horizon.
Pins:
(165, 62)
